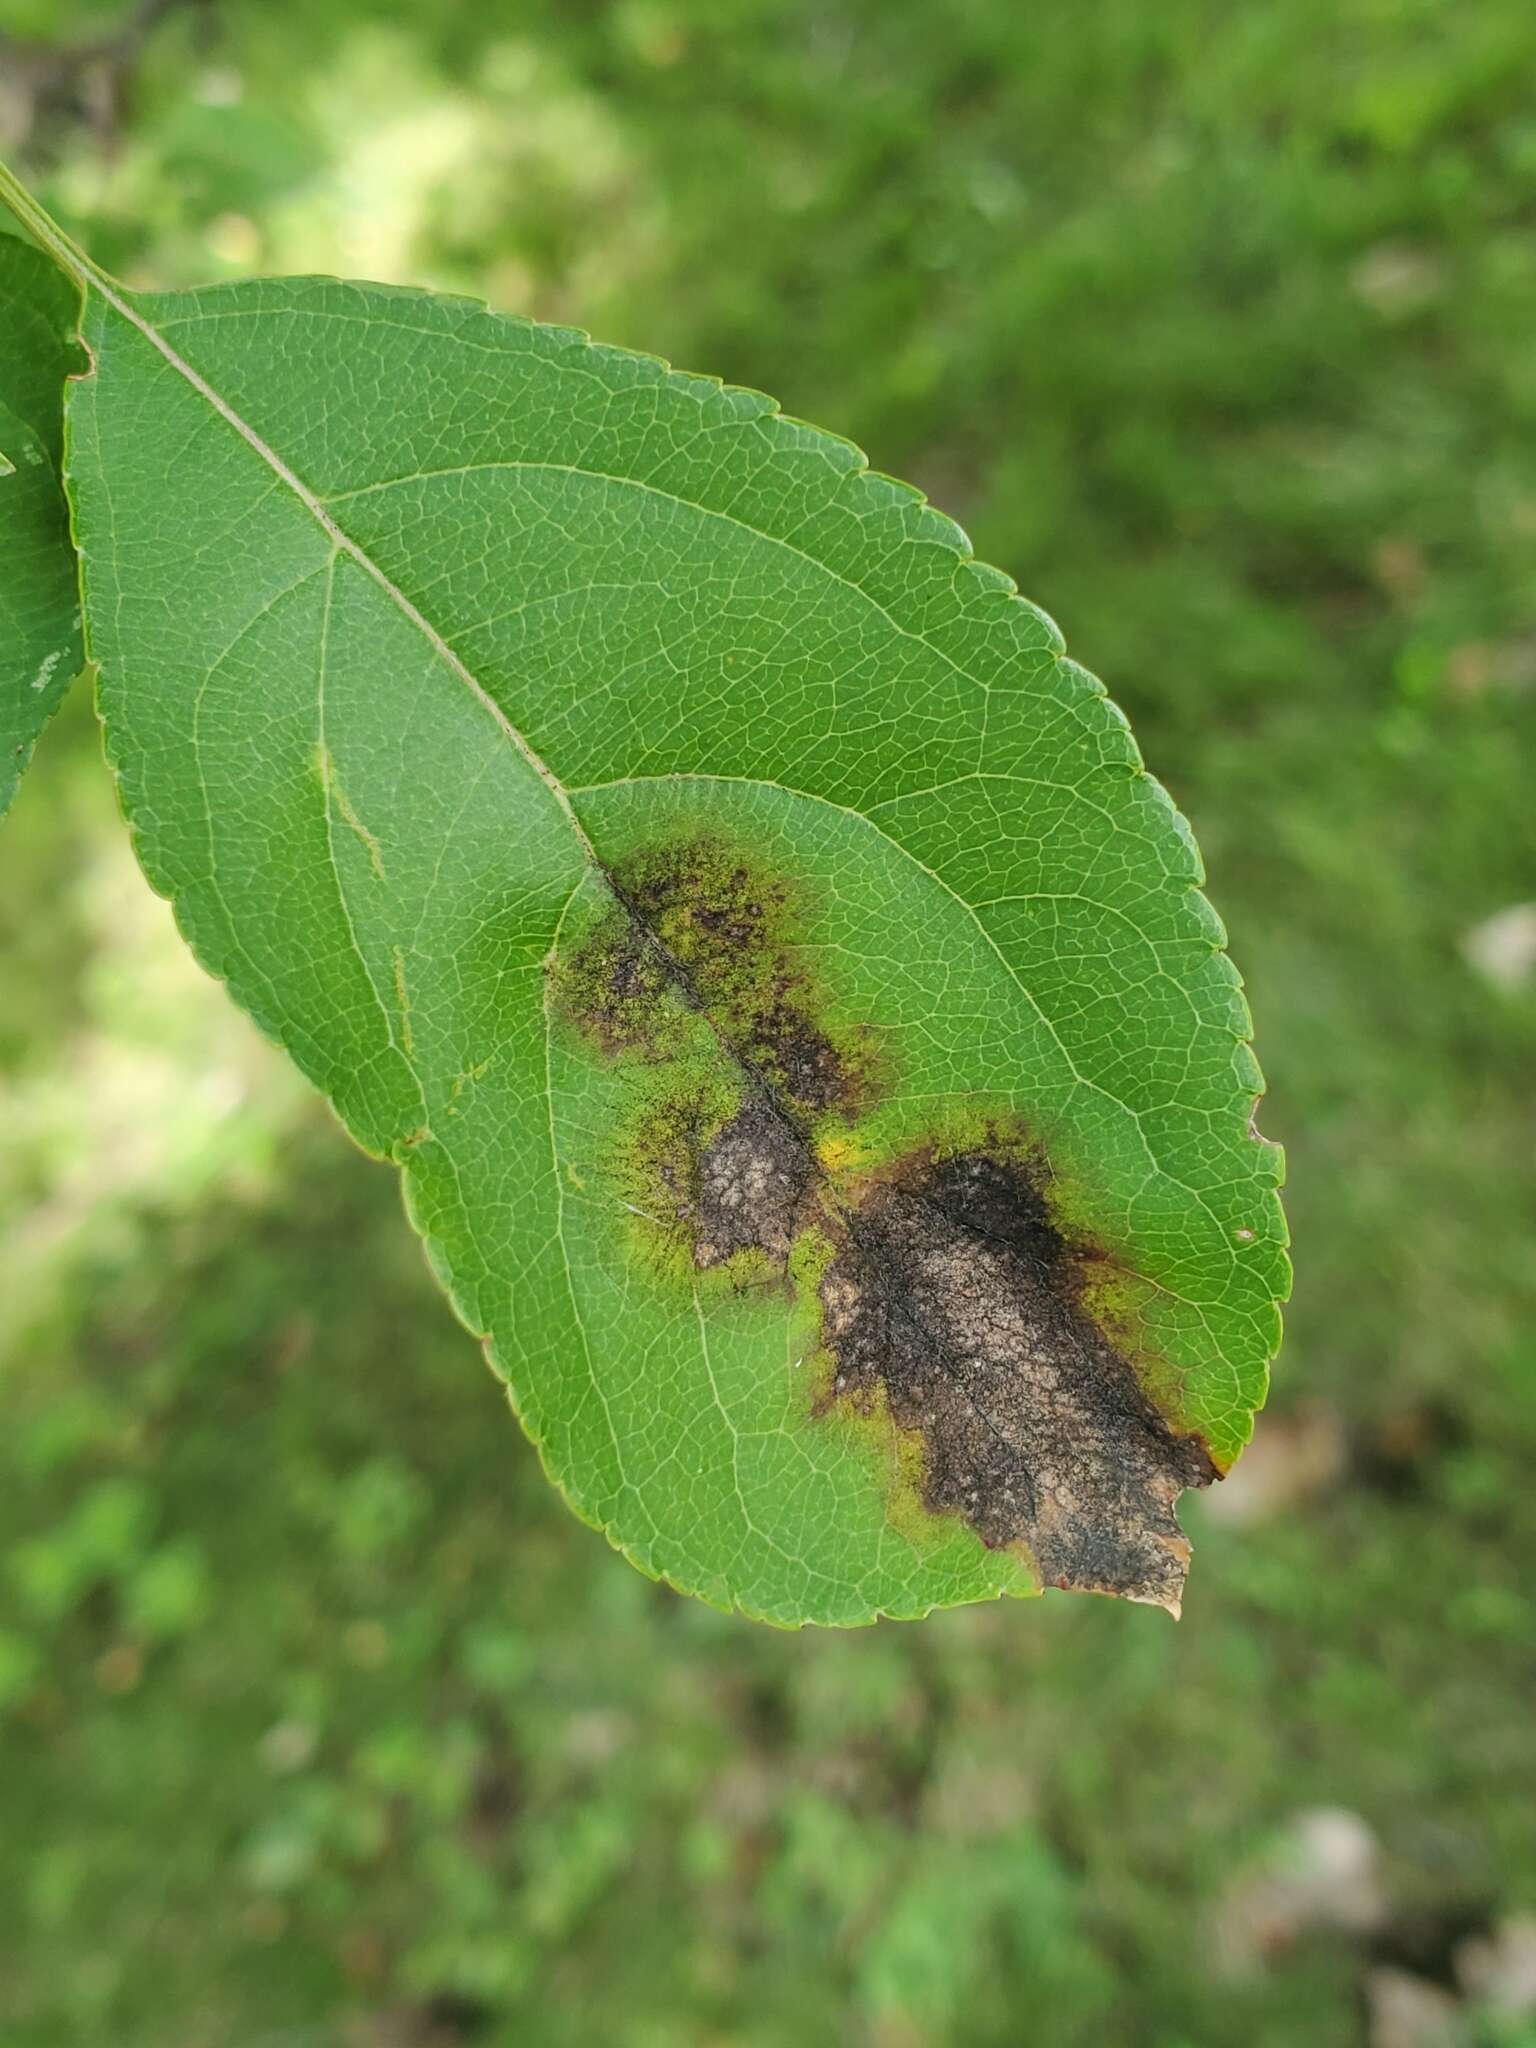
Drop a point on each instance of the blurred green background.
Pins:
(321, 1721)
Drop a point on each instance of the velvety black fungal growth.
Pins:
(955, 1298)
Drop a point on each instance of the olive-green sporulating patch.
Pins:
(730, 932)
(951, 1302)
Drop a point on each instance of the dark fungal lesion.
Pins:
(956, 1301)
(952, 1303)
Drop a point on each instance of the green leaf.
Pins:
(39, 593)
(814, 1070)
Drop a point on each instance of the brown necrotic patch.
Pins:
(955, 1301)
(752, 1179)
(952, 1304)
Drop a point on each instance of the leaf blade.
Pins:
(556, 530)
(39, 596)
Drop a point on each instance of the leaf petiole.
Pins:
(46, 232)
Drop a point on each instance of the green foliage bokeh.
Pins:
(322, 1721)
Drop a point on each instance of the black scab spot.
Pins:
(954, 1295)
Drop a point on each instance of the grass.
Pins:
(320, 1720)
